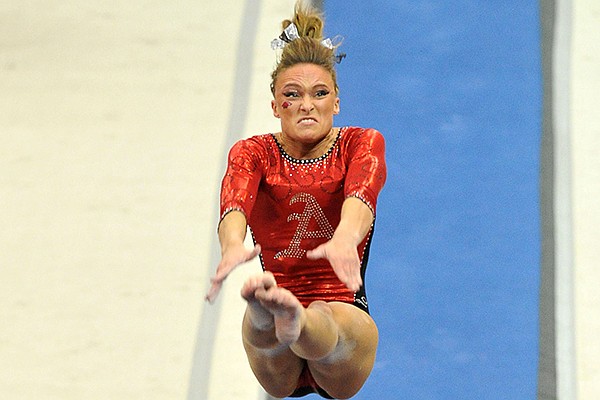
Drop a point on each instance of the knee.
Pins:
(322, 307)
(277, 372)
(353, 319)
(359, 335)
(279, 383)
(279, 392)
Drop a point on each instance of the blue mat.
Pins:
(455, 87)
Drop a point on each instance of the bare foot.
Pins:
(287, 311)
(260, 317)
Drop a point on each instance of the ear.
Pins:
(274, 108)
(336, 106)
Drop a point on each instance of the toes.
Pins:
(279, 301)
(258, 283)
(250, 287)
(272, 296)
(269, 280)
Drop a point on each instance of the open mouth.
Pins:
(307, 120)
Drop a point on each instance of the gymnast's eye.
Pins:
(291, 94)
(321, 93)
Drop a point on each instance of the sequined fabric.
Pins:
(294, 205)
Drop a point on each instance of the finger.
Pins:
(350, 282)
(214, 290)
(316, 253)
(217, 282)
(351, 277)
(223, 271)
(353, 285)
(221, 274)
(356, 284)
(255, 251)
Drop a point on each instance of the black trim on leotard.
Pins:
(305, 391)
(360, 297)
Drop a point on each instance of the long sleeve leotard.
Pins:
(294, 205)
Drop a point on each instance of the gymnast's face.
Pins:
(305, 100)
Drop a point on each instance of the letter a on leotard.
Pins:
(311, 210)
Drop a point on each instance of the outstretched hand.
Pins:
(230, 259)
(344, 260)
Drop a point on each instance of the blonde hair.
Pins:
(307, 49)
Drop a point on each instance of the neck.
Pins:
(307, 151)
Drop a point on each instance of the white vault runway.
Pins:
(115, 121)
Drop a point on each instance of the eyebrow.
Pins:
(318, 85)
(290, 86)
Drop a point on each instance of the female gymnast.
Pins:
(308, 194)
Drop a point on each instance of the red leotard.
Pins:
(294, 205)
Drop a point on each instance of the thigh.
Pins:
(344, 372)
(277, 371)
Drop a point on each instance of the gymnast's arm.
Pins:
(232, 231)
(364, 180)
(341, 251)
(238, 192)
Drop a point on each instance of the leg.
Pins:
(343, 372)
(337, 340)
(275, 366)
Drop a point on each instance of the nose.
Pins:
(306, 104)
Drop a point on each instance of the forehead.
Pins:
(305, 75)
